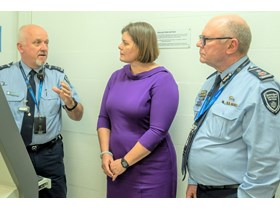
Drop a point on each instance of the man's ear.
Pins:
(19, 47)
(232, 46)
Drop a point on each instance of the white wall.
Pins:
(9, 24)
(85, 45)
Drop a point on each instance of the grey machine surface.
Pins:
(15, 154)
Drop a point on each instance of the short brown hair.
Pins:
(144, 36)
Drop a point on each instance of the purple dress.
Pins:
(141, 108)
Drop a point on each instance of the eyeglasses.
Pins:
(204, 39)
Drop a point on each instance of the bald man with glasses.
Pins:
(233, 147)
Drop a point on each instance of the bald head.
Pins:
(232, 26)
(33, 45)
(223, 19)
(29, 30)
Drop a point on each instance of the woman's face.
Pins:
(129, 51)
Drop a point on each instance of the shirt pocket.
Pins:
(226, 122)
(50, 103)
(14, 97)
(16, 100)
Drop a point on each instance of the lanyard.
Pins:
(207, 104)
(30, 90)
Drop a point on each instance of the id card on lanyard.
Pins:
(40, 121)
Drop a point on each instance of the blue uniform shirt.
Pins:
(15, 90)
(239, 141)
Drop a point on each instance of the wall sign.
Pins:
(174, 39)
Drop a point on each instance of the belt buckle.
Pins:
(34, 148)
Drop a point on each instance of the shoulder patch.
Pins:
(6, 66)
(51, 67)
(260, 73)
(214, 73)
(271, 100)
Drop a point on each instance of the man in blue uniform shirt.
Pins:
(233, 149)
(36, 93)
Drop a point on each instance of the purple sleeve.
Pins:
(164, 104)
(103, 118)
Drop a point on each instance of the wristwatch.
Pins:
(75, 105)
(124, 163)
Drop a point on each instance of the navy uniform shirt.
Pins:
(15, 90)
(239, 141)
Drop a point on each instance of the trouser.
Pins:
(48, 162)
(212, 192)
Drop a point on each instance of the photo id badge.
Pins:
(40, 125)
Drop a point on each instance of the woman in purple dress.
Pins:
(139, 104)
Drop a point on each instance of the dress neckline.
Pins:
(144, 74)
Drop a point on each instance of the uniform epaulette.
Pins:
(6, 66)
(214, 73)
(260, 73)
(51, 67)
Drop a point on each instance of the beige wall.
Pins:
(85, 45)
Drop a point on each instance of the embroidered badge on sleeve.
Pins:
(270, 99)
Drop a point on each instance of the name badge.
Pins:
(40, 125)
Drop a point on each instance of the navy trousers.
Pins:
(49, 163)
(216, 193)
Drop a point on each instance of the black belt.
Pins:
(38, 147)
(221, 187)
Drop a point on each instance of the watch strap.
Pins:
(124, 163)
(75, 105)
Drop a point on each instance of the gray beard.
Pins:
(39, 63)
